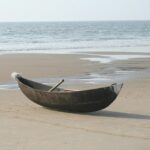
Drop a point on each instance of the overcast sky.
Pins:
(74, 10)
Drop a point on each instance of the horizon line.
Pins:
(21, 21)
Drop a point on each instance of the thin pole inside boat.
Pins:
(53, 88)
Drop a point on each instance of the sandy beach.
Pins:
(125, 125)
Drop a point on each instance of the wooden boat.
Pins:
(68, 100)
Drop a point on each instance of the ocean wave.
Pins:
(71, 36)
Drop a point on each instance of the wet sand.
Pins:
(125, 125)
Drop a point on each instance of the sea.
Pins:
(74, 37)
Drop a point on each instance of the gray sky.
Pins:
(74, 10)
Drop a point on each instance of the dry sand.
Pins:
(125, 125)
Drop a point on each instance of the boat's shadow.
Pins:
(115, 114)
(111, 114)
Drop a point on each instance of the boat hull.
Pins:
(72, 101)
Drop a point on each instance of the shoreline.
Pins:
(74, 68)
(102, 50)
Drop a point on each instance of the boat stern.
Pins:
(117, 87)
